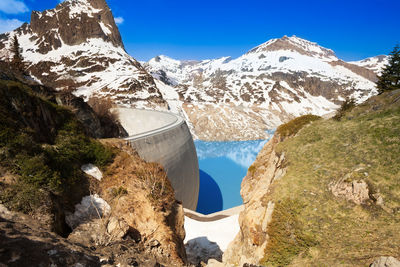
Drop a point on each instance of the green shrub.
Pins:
(252, 169)
(390, 76)
(119, 192)
(294, 126)
(43, 165)
(23, 197)
(287, 238)
(346, 106)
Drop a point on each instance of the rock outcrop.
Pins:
(143, 207)
(136, 222)
(128, 217)
(355, 191)
(24, 242)
(386, 262)
(81, 20)
(249, 245)
(325, 195)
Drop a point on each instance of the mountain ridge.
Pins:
(272, 83)
(298, 44)
(77, 47)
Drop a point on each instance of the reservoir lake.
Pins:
(223, 165)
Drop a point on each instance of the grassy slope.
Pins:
(310, 226)
(43, 145)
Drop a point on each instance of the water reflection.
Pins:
(210, 196)
(223, 166)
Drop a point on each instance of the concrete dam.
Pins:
(165, 138)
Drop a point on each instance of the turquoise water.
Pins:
(223, 165)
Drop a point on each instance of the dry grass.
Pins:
(292, 127)
(107, 117)
(366, 144)
(101, 106)
(129, 168)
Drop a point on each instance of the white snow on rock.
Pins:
(94, 66)
(91, 207)
(77, 7)
(265, 87)
(202, 234)
(376, 64)
(92, 170)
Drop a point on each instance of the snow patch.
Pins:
(91, 207)
(78, 7)
(92, 170)
(105, 29)
(221, 232)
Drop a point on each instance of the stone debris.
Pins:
(356, 191)
(386, 262)
(91, 207)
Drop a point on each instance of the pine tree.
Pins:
(16, 50)
(390, 77)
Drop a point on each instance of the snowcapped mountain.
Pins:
(239, 98)
(77, 46)
(375, 64)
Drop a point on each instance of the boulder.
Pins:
(386, 262)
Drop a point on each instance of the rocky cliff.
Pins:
(77, 47)
(92, 203)
(325, 193)
(93, 124)
(249, 246)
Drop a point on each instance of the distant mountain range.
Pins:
(268, 85)
(77, 46)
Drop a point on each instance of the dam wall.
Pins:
(165, 138)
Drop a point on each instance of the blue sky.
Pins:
(186, 29)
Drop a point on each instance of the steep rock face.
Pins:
(83, 20)
(23, 241)
(142, 198)
(321, 196)
(77, 47)
(249, 245)
(84, 113)
(280, 79)
(43, 150)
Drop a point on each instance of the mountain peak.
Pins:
(296, 44)
(85, 6)
(76, 46)
(74, 22)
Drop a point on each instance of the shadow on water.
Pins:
(210, 196)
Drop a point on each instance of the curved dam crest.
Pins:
(165, 138)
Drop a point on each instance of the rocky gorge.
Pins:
(307, 203)
(53, 212)
(323, 191)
